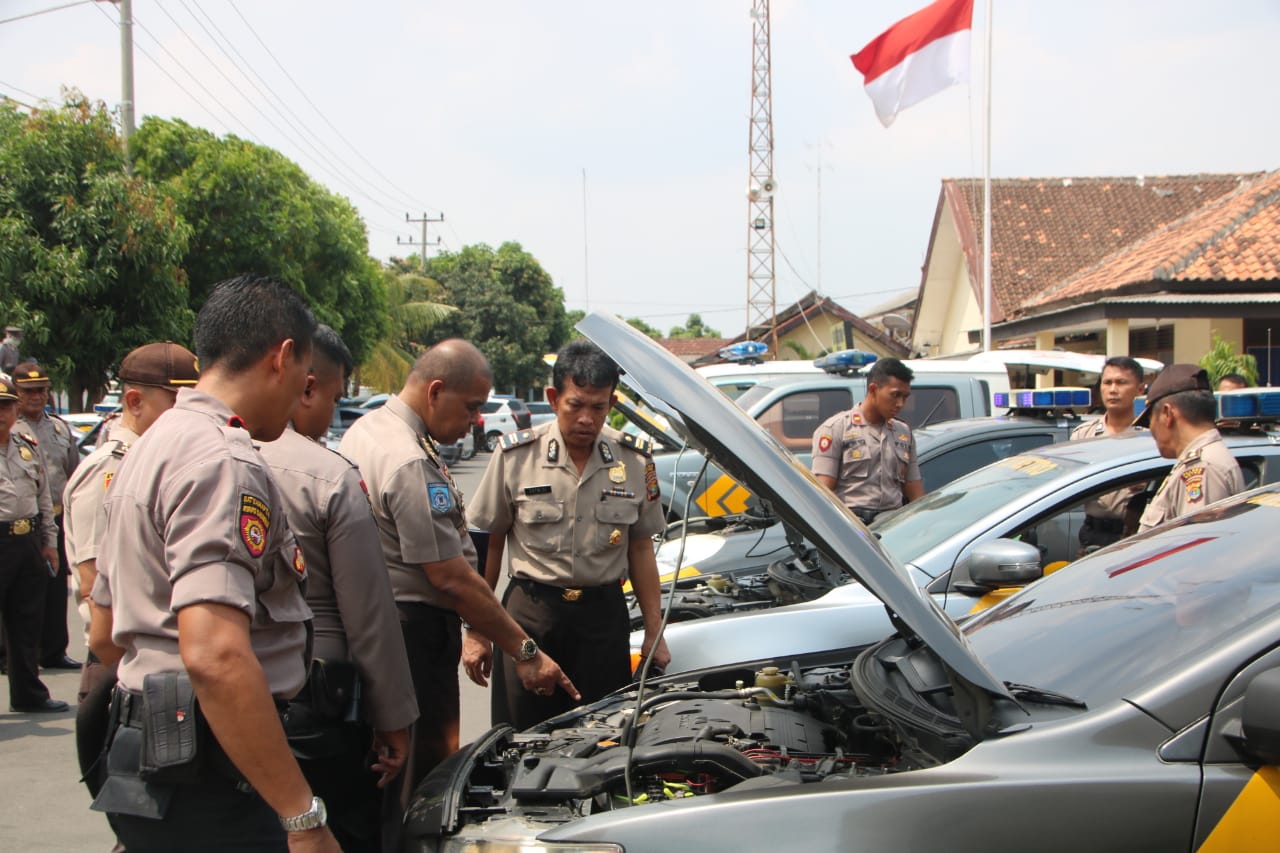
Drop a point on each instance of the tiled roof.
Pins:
(1235, 238)
(691, 348)
(811, 304)
(1047, 229)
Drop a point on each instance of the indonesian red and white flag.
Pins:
(917, 57)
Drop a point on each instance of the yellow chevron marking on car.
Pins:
(1272, 499)
(1032, 466)
(1250, 823)
(723, 497)
(686, 572)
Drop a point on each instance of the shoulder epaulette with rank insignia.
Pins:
(120, 449)
(640, 445)
(516, 439)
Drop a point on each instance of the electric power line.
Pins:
(44, 11)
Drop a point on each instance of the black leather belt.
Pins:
(128, 708)
(20, 527)
(570, 594)
(866, 516)
(1104, 525)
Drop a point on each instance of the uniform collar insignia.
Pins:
(553, 450)
(606, 454)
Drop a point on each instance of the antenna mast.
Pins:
(762, 306)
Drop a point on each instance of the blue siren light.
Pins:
(845, 360)
(744, 351)
(1057, 398)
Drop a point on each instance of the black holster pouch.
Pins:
(175, 737)
(324, 717)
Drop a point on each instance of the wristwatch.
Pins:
(528, 650)
(313, 818)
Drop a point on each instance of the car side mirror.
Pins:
(1260, 717)
(1003, 563)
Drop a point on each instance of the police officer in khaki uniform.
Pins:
(866, 455)
(61, 455)
(1180, 413)
(429, 553)
(358, 648)
(203, 579)
(576, 504)
(1109, 518)
(150, 377)
(28, 546)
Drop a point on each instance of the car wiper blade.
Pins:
(1044, 697)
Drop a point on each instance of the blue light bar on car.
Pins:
(1061, 397)
(745, 351)
(1249, 404)
(845, 361)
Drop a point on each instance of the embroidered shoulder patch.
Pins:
(1193, 483)
(299, 564)
(650, 481)
(824, 443)
(255, 521)
(440, 497)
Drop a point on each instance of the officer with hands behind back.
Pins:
(577, 505)
(866, 455)
(359, 692)
(28, 546)
(204, 579)
(428, 551)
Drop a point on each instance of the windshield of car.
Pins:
(748, 398)
(1104, 627)
(922, 525)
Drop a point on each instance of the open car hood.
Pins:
(737, 443)
(648, 422)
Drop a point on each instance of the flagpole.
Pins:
(986, 197)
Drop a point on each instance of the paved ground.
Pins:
(43, 806)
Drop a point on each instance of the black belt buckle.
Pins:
(21, 527)
(571, 594)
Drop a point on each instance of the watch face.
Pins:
(528, 649)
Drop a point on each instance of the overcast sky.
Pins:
(490, 112)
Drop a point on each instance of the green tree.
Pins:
(694, 328)
(415, 308)
(640, 324)
(253, 210)
(507, 306)
(90, 257)
(1222, 359)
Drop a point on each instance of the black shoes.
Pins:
(48, 706)
(64, 662)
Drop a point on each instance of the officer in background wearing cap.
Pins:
(61, 455)
(1108, 518)
(10, 350)
(1180, 413)
(359, 695)
(28, 546)
(204, 582)
(867, 456)
(576, 504)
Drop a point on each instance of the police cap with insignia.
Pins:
(30, 375)
(7, 391)
(165, 365)
(1174, 379)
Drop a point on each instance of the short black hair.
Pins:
(1236, 378)
(883, 369)
(586, 364)
(329, 343)
(1197, 407)
(248, 315)
(1123, 362)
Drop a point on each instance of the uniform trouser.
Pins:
(433, 639)
(588, 637)
(335, 758)
(22, 586)
(53, 631)
(214, 813)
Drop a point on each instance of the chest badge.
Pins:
(615, 536)
(25, 454)
(618, 473)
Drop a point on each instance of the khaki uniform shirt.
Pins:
(870, 463)
(348, 589)
(84, 500)
(24, 487)
(61, 454)
(1112, 504)
(561, 528)
(1205, 472)
(419, 511)
(193, 517)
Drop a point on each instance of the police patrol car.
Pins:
(1131, 702)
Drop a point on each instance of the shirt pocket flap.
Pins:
(618, 512)
(539, 512)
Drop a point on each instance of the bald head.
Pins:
(455, 362)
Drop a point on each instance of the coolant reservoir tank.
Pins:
(718, 582)
(771, 678)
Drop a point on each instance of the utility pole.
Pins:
(762, 309)
(126, 74)
(424, 244)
